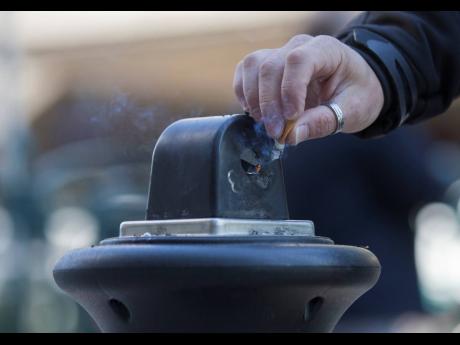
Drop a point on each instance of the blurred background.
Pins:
(85, 95)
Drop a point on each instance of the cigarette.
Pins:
(280, 143)
(287, 129)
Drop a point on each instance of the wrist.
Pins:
(395, 77)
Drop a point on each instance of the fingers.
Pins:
(251, 81)
(238, 86)
(257, 84)
(314, 123)
(272, 84)
(318, 58)
(303, 74)
(360, 105)
(270, 76)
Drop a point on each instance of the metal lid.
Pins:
(217, 226)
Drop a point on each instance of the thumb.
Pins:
(313, 123)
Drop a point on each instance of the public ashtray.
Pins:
(217, 251)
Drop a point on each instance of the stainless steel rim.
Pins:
(217, 226)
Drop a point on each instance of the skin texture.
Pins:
(291, 83)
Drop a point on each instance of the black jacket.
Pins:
(429, 42)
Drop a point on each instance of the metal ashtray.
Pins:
(217, 251)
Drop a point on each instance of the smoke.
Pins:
(123, 113)
(132, 123)
(264, 145)
(262, 142)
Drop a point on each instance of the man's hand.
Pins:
(292, 82)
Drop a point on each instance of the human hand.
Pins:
(292, 83)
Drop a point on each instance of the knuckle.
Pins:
(299, 39)
(250, 61)
(321, 127)
(267, 68)
(265, 99)
(290, 85)
(295, 57)
(324, 40)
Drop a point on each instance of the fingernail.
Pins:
(301, 134)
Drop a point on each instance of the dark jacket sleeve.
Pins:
(430, 44)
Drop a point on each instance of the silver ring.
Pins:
(338, 114)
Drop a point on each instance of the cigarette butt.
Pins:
(287, 129)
